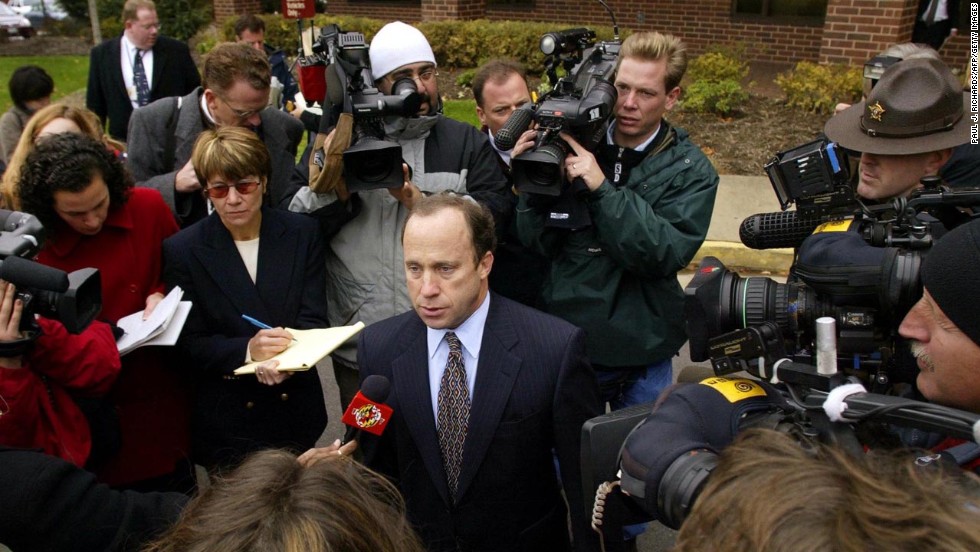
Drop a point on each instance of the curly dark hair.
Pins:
(67, 163)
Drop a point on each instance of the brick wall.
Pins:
(853, 31)
(225, 8)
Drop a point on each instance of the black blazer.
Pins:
(534, 389)
(51, 505)
(174, 74)
(237, 415)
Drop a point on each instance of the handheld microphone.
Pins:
(367, 410)
(519, 121)
(774, 230)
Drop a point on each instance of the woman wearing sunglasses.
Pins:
(94, 217)
(245, 259)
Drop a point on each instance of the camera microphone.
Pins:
(775, 230)
(367, 410)
(24, 272)
(519, 121)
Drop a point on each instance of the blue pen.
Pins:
(258, 324)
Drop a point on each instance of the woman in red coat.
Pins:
(96, 218)
(38, 390)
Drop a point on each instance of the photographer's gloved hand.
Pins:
(11, 309)
(409, 193)
(582, 164)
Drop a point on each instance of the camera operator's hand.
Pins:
(582, 164)
(11, 310)
(151, 303)
(186, 179)
(524, 142)
(268, 343)
(409, 193)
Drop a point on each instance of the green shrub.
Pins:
(721, 97)
(465, 78)
(717, 66)
(716, 82)
(180, 18)
(819, 87)
(455, 43)
(206, 38)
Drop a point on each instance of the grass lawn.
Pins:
(70, 74)
(461, 110)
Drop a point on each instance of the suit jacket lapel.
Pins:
(410, 374)
(496, 372)
(159, 60)
(189, 125)
(115, 66)
(277, 244)
(219, 257)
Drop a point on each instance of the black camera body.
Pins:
(371, 162)
(867, 291)
(580, 104)
(74, 299)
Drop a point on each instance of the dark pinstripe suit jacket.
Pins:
(534, 389)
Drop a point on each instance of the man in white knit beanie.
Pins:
(365, 271)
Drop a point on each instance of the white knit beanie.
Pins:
(398, 44)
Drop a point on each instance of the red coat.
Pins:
(41, 414)
(152, 401)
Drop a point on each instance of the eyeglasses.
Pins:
(241, 114)
(219, 190)
(151, 26)
(425, 75)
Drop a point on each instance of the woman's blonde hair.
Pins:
(231, 152)
(87, 121)
(272, 502)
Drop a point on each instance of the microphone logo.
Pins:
(367, 415)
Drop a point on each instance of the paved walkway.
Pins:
(739, 197)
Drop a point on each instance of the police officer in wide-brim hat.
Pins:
(905, 129)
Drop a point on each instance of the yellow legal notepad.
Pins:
(310, 346)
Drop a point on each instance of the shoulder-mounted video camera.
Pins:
(371, 162)
(74, 299)
(866, 290)
(580, 103)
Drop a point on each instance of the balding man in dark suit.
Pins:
(485, 393)
(139, 67)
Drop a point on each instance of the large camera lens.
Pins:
(718, 301)
(541, 170)
(372, 163)
(547, 170)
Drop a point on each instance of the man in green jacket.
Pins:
(651, 192)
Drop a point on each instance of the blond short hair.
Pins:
(654, 46)
(230, 152)
(132, 6)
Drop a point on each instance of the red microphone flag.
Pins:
(363, 413)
